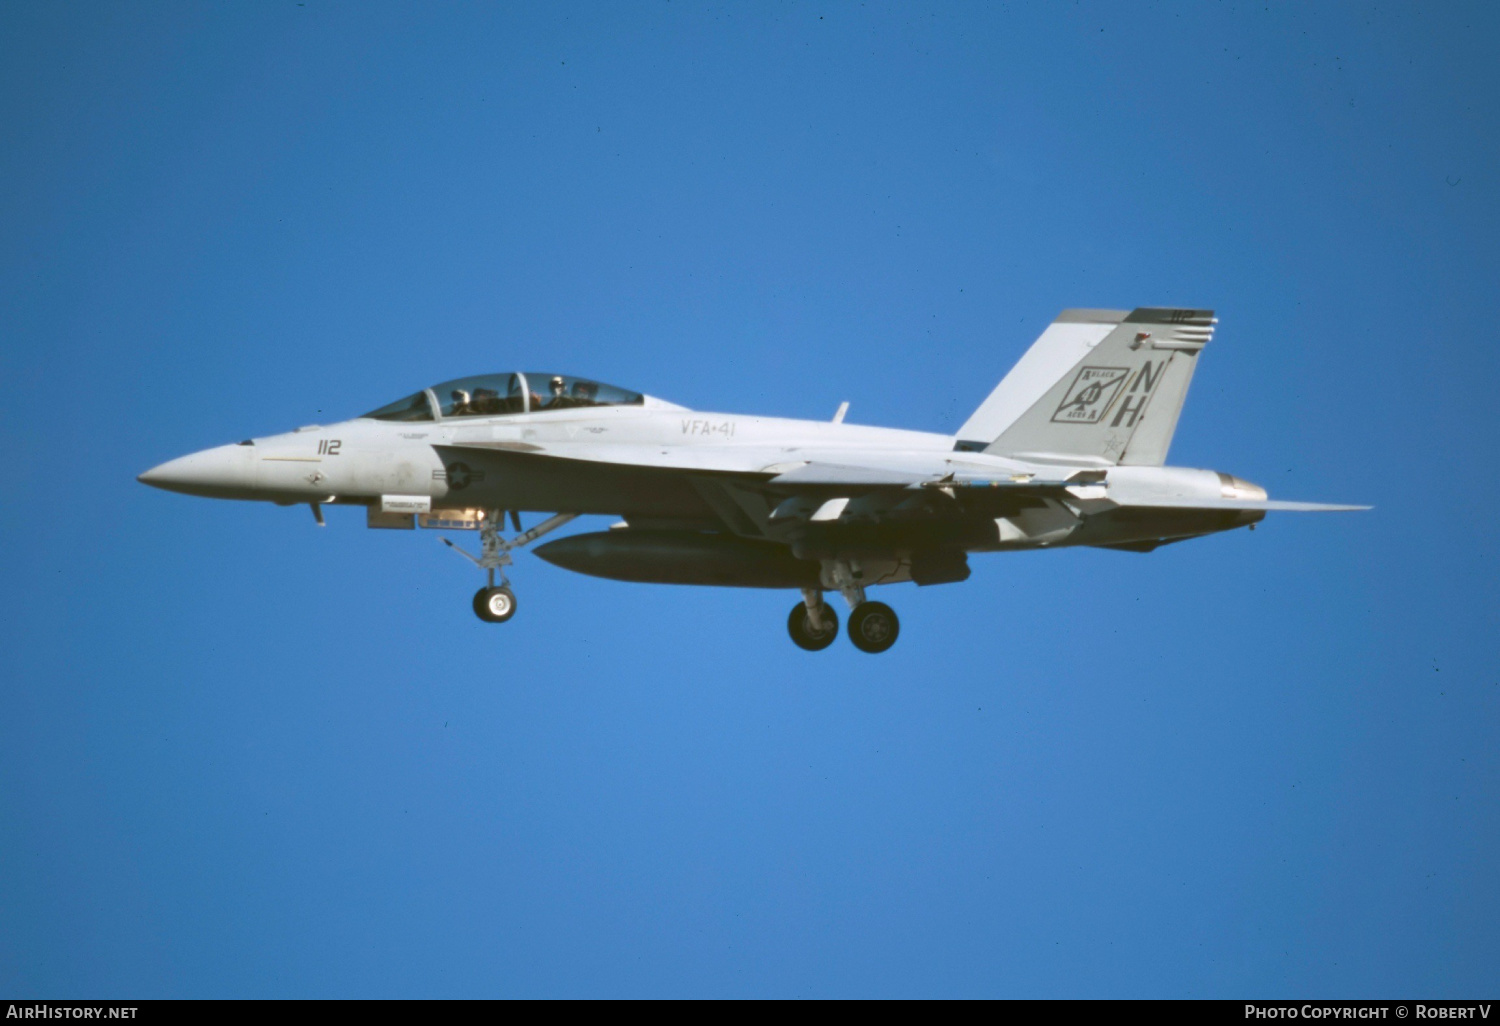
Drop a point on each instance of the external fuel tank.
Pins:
(681, 557)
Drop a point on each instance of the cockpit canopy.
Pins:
(493, 395)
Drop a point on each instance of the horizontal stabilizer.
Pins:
(1270, 505)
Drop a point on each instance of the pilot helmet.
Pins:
(557, 384)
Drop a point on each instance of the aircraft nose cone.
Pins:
(158, 476)
(222, 472)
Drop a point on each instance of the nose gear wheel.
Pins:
(494, 605)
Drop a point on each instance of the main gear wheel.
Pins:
(873, 627)
(805, 635)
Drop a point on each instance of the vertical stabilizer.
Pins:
(1098, 385)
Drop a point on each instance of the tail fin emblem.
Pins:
(1090, 394)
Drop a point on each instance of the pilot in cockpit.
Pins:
(460, 403)
(486, 400)
(559, 396)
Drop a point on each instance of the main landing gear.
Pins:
(813, 625)
(494, 604)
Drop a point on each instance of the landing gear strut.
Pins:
(873, 626)
(497, 604)
(813, 623)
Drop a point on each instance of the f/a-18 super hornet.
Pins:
(1069, 449)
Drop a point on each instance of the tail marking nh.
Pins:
(1140, 391)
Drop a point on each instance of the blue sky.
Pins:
(241, 756)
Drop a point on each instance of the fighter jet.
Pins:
(1069, 449)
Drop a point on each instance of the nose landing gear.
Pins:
(497, 604)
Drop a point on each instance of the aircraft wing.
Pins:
(749, 488)
(752, 488)
(794, 469)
